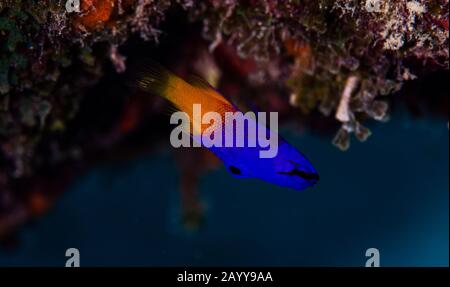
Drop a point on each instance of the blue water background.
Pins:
(390, 193)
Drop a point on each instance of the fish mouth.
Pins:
(311, 177)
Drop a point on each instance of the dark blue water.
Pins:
(390, 193)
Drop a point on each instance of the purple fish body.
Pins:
(288, 168)
(285, 167)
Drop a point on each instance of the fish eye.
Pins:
(235, 170)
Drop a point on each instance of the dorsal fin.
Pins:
(200, 83)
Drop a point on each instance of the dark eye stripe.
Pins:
(302, 174)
